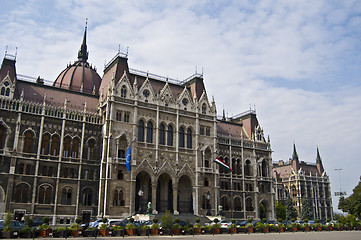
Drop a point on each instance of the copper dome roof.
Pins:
(80, 76)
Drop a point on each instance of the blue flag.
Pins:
(127, 159)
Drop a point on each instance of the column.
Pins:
(154, 198)
(175, 200)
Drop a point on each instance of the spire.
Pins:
(224, 115)
(294, 155)
(83, 53)
(318, 158)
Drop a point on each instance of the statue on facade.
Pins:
(149, 208)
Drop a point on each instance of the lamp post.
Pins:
(140, 194)
(208, 197)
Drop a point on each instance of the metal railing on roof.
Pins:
(155, 76)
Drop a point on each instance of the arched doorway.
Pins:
(143, 182)
(263, 211)
(185, 199)
(164, 193)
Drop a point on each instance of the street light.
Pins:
(140, 194)
(208, 197)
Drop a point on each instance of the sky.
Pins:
(297, 62)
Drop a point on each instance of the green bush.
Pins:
(197, 225)
(78, 220)
(130, 225)
(60, 229)
(46, 220)
(75, 226)
(155, 225)
(197, 220)
(104, 220)
(155, 220)
(117, 228)
(7, 219)
(167, 220)
(28, 221)
(44, 226)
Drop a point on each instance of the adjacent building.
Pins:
(304, 181)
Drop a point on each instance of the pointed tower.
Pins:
(295, 160)
(319, 163)
(83, 52)
(80, 76)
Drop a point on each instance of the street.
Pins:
(334, 235)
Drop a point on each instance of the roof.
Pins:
(8, 67)
(119, 65)
(56, 97)
(228, 128)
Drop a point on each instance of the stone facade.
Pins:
(63, 146)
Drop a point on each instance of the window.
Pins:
(120, 175)
(249, 204)
(141, 131)
(161, 134)
(91, 149)
(24, 168)
(47, 171)
(149, 132)
(118, 116)
(28, 142)
(75, 148)
(201, 130)
(22, 193)
(55, 144)
(170, 135)
(225, 203)
(237, 204)
(208, 131)
(67, 142)
(66, 196)
(206, 183)
(247, 169)
(5, 90)
(45, 144)
(181, 137)
(189, 138)
(123, 91)
(2, 136)
(204, 108)
(87, 195)
(121, 153)
(44, 194)
(126, 117)
(204, 202)
(118, 199)
(146, 93)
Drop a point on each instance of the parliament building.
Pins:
(63, 146)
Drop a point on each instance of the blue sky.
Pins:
(297, 61)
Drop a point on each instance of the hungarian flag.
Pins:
(223, 164)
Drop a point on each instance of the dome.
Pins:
(80, 76)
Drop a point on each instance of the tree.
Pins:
(280, 211)
(352, 204)
(306, 212)
(262, 211)
(291, 212)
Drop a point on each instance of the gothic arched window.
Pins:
(66, 195)
(170, 135)
(28, 142)
(55, 144)
(181, 137)
(45, 144)
(149, 132)
(161, 134)
(189, 138)
(87, 196)
(75, 148)
(22, 193)
(123, 91)
(45, 194)
(204, 108)
(141, 131)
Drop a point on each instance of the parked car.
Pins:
(95, 223)
(225, 223)
(16, 225)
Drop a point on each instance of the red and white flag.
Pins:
(223, 164)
